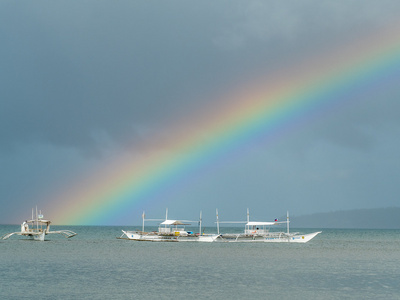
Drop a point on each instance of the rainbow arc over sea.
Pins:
(271, 105)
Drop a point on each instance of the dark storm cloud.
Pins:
(73, 71)
(69, 72)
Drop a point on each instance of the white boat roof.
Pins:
(173, 222)
(39, 221)
(260, 223)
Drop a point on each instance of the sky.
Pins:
(88, 85)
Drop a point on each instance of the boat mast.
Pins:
(143, 216)
(166, 216)
(287, 221)
(248, 215)
(37, 223)
(217, 221)
(200, 224)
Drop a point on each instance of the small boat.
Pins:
(169, 231)
(260, 232)
(37, 228)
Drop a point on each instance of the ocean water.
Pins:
(337, 264)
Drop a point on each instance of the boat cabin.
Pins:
(174, 227)
(35, 226)
(256, 228)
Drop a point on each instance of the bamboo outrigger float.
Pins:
(37, 228)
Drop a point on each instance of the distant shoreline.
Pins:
(374, 218)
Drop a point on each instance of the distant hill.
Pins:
(379, 218)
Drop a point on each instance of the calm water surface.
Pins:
(356, 264)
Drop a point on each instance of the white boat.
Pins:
(37, 228)
(169, 231)
(261, 232)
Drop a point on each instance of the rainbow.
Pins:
(257, 111)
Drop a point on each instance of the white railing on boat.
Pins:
(170, 230)
(256, 231)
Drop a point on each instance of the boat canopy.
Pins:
(173, 222)
(39, 221)
(260, 223)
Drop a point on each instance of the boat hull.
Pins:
(157, 237)
(39, 237)
(276, 238)
(241, 238)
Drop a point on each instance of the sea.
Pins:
(336, 264)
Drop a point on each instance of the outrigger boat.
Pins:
(37, 228)
(169, 231)
(260, 232)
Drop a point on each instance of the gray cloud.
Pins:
(81, 81)
(71, 72)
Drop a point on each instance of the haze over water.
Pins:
(357, 264)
